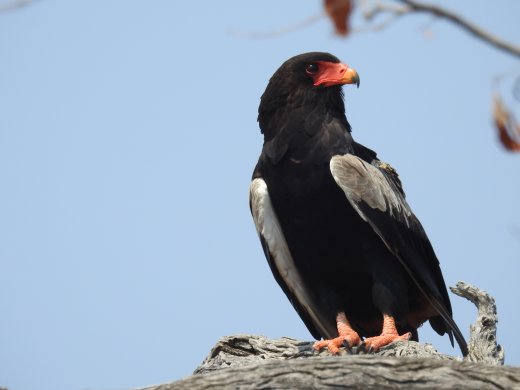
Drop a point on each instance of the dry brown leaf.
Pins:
(507, 126)
(339, 11)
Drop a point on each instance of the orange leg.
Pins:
(388, 335)
(346, 334)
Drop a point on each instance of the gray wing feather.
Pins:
(362, 181)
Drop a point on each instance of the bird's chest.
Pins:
(302, 178)
(312, 209)
(300, 186)
(308, 201)
(319, 223)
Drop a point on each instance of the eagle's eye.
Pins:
(311, 68)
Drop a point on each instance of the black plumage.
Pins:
(334, 224)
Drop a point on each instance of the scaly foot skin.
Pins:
(348, 337)
(388, 335)
(373, 344)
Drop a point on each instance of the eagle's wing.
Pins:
(375, 193)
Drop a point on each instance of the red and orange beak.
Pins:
(331, 73)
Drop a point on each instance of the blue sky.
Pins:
(128, 136)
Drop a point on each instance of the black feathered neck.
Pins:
(291, 100)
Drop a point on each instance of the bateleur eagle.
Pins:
(333, 220)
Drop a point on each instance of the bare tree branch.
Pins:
(482, 345)
(416, 6)
(255, 362)
(373, 8)
(353, 372)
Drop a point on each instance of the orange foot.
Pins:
(346, 335)
(388, 335)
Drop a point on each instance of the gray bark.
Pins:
(357, 372)
(255, 362)
(482, 344)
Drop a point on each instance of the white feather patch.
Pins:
(268, 227)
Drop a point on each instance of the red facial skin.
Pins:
(330, 73)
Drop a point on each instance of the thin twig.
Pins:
(284, 30)
(15, 5)
(372, 11)
(396, 12)
(280, 31)
(507, 74)
(377, 26)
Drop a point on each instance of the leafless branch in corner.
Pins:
(413, 6)
(14, 5)
(372, 9)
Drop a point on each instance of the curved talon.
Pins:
(347, 346)
(333, 345)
